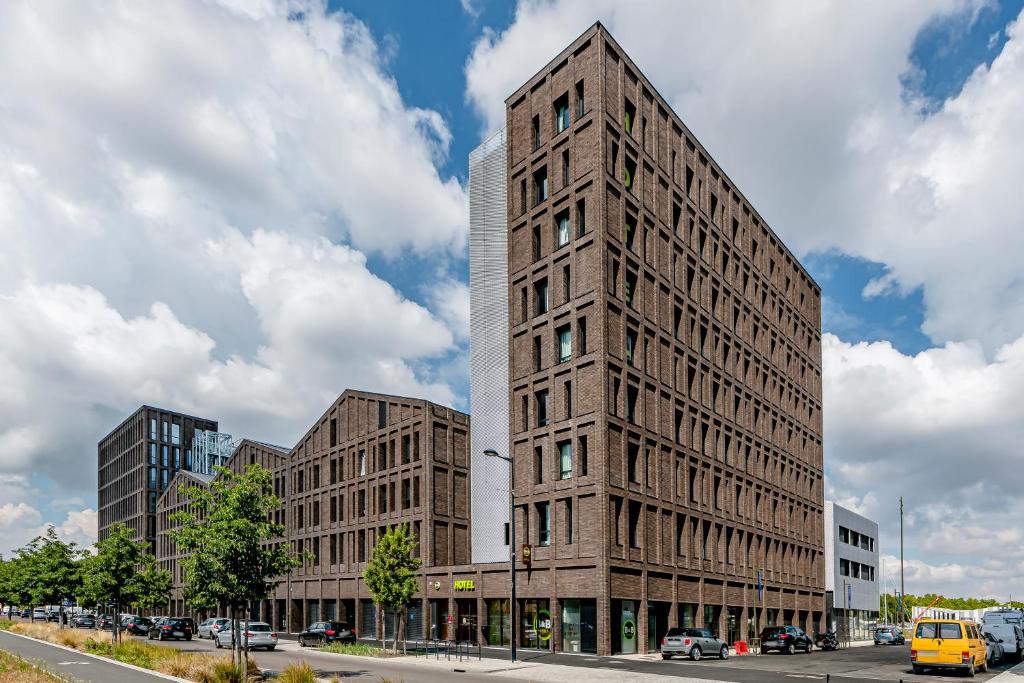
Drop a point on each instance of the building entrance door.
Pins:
(466, 620)
(629, 629)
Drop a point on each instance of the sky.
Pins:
(238, 209)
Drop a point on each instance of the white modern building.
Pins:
(488, 348)
(851, 571)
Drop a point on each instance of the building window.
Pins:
(175, 434)
(566, 283)
(568, 522)
(633, 463)
(152, 428)
(362, 463)
(165, 427)
(631, 337)
(152, 501)
(506, 533)
(163, 456)
(581, 334)
(540, 292)
(542, 407)
(562, 229)
(538, 358)
(629, 116)
(634, 524)
(629, 173)
(535, 129)
(565, 460)
(540, 185)
(177, 458)
(562, 113)
(564, 343)
(536, 243)
(334, 432)
(382, 414)
(163, 479)
(632, 393)
(566, 175)
(581, 106)
(567, 394)
(544, 524)
(629, 290)
(581, 217)
(152, 477)
(583, 455)
(538, 465)
(152, 454)
(629, 232)
(522, 195)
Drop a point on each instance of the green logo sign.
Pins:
(628, 629)
(544, 625)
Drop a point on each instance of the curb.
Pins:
(102, 659)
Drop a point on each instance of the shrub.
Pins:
(297, 672)
(359, 649)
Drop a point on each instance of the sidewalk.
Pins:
(1014, 675)
(542, 673)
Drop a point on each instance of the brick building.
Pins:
(137, 460)
(664, 374)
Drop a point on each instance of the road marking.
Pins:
(70, 663)
(817, 678)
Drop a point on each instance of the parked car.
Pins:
(786, 639)
(137, 626)
(324, 632)
(106, 622)
(179, 628)
(1009, 636)
(53, 615)
(889, 635)
(994, 649)
(26, 613)
(39, 613)
(255, 634)
(83, 621)
(693, 643)
(209, 627)
(948, 644)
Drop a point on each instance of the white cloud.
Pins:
(450, 298)
(187, 195)
(943, 429)
(806, 111)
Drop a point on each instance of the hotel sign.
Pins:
(463, 585)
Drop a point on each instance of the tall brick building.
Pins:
(664, 372)
(138, 459)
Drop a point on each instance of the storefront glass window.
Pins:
(535, 624)
(687, 614)
(579, 625)
(499, 628)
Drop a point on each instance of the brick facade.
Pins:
(669, 346)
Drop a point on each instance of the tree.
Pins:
(123, 573)
(56, 570)
(390, 575)
(225, 536)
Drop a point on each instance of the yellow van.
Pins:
(948, 644)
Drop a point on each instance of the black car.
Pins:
(137, 626)
(83, 621)
(179, 628)
(786, 639)
(324, 632)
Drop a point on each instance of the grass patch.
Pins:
(14, 669)
(6, 624)
(192, 666)
(358, 649)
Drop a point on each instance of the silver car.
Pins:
(210, 627)
(255, 634)
(694, 643)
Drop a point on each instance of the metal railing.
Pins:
(438, 648)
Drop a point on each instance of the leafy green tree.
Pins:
(225, 535)
(390, 575)
(56, 570)
(124, 573)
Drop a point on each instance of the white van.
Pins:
(1004, 615)
(1010, 635)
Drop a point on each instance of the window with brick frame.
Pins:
(581, 217)
(561, 229)
(561, 111)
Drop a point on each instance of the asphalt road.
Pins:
(853, 665)
(73, 665)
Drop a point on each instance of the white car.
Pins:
(993, 649)
(39, 613)
(255, 634)
(1009, 636)
(210, 627)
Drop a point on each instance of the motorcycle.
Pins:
(826, 640)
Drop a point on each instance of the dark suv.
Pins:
(786, 639)
(324, 632)
(179, 628)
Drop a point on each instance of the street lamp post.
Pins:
(490, 452)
